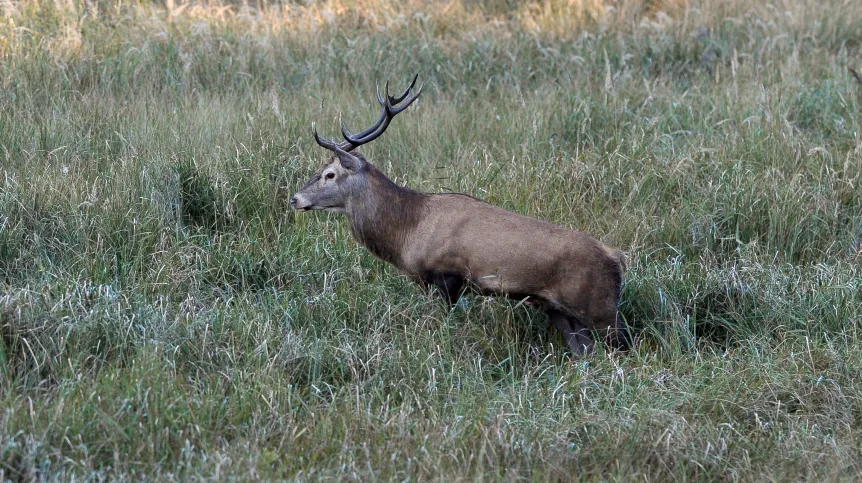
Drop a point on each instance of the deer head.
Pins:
(343, 178)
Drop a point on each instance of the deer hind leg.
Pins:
(607, 322)
(617, 336)
(576, 335)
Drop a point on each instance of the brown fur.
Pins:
(456, 242)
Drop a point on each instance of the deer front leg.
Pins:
(449, 285)
(577, 337)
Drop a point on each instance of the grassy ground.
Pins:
(164, 315)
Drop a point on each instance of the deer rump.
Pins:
(456, 242)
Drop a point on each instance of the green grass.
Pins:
(164, 315)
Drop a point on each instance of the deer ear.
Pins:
(351, 162)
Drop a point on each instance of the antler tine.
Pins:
(398, 99)
(317, 137)
(323, 142)
(395, 110)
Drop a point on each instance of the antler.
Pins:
(390, 105)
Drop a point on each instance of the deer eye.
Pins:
(330, 175)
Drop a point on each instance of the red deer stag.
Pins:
(456, 242)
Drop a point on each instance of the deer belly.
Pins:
(501, 283)
(520, 276)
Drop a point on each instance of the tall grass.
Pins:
(164, 315)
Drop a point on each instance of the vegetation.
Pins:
(163, 314)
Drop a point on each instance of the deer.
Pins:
(457, 243)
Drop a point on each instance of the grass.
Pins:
(164, 315)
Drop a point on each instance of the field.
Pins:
(164, 315)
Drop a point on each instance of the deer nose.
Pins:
(293, 201)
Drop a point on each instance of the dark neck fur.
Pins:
(383, 215)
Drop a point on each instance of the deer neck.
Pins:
(384, 215)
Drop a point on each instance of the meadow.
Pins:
(165, 315)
